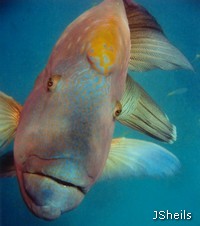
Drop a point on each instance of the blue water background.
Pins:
(28, 31)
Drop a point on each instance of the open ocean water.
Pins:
(28, 31)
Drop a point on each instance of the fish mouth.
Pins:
(48, 197)
(61, 182)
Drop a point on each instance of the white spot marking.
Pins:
(86, 28)
(79, 38)
(69, 46)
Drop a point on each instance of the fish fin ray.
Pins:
(140, 112)
(7, 167)
(131, 157)
(150, 48)
(9, 118)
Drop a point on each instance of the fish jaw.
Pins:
(48, 197)
(51, 187)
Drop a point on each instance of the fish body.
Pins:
(89, 69)
(63, 133)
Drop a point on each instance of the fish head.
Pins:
(66, 126)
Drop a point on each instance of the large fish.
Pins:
(63, 133)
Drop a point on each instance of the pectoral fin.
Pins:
(7, 167)
(140, 112)
(9, 118)
(149, 47)
(130, 157)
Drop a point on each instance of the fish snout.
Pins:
(48, 197)
(51, 187)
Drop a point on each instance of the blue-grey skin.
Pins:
(66, 125)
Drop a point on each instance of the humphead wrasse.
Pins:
(63, 133)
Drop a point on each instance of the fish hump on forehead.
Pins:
(103, 47)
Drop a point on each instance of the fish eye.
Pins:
(52, 82)
(118, 109)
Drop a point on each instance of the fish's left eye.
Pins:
(52, 82)
(118, 109)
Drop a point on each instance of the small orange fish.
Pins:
(63, 133)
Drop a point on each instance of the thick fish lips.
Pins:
(49, 197)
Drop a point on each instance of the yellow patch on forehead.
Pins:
(103, 46)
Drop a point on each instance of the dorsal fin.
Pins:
(150, 48)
